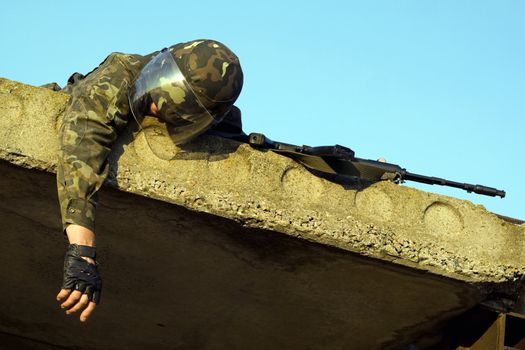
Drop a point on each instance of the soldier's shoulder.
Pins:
(124, 56)
(127, 59)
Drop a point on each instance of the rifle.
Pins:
(341, 160)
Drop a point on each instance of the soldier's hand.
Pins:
(82, 284)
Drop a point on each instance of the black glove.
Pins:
(81, 275)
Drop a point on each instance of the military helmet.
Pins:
(193, 85)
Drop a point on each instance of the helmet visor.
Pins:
(161, 82)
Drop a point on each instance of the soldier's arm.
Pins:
(97, 110)
(98, 106)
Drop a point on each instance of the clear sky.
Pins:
(435, 86)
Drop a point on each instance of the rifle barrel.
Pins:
(430, 180)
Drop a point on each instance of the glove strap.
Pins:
(83, 250)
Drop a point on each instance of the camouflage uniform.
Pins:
(98, 110)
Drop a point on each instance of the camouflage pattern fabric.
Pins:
(213, 71)
(98, 110)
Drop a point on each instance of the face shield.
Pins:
(184, 116)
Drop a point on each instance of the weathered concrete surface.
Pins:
(178, 277)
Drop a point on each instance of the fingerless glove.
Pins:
(81, 275)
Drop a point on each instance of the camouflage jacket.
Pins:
(98, 110)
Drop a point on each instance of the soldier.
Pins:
(192, 86)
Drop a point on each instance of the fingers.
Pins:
(84, 300)
(87, 311)
(76, 301)
(62, 295)
(71, 300)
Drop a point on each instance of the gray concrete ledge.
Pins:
(444, 235)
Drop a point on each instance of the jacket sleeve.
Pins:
(98, 108)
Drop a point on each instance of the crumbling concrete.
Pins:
(283, 261)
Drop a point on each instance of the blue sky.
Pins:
(435, 86)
